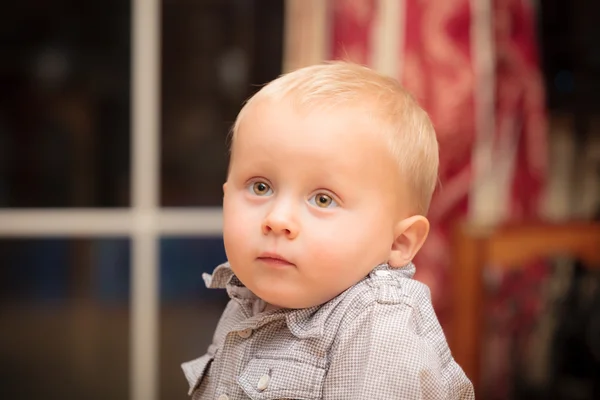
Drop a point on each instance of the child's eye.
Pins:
(322, 200)
(261, 189)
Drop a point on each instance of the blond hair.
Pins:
(407, 127)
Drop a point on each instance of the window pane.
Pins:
(189, 311)
(64, 103)
(215, 53)
(65, 318)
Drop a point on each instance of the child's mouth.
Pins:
(274, 260)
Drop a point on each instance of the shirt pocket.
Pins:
(196, 370)
(270, 379)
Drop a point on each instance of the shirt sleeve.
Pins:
(394, 351)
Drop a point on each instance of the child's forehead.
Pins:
(318, 135)
(316, 114)
(321, 140)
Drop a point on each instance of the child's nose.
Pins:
(280, 221)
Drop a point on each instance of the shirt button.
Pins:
(245, 334)
(263, 382)
(382, 272)
(223, 397)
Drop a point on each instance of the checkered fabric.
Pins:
(380, 339)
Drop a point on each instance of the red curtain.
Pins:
(439, 68)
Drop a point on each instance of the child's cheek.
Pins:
(326, 247)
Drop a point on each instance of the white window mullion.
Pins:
(205, 221)
(145, 163)
(97, 222)
(65, 222)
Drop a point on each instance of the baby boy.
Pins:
(331, 174)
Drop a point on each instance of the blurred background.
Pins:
(114, 117)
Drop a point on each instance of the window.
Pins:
(113, 126)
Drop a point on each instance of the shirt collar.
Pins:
(221, 277)
(305, 322)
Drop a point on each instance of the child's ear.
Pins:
(410, 234)
(224, 187)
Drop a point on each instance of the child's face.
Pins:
(310, 203)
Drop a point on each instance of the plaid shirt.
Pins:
(380, 339)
